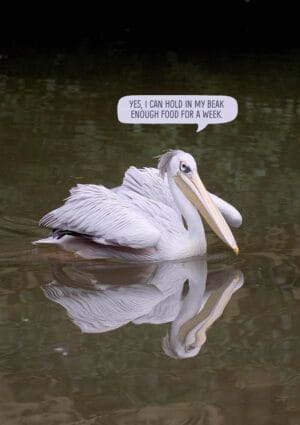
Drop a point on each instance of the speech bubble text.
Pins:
(177, 109)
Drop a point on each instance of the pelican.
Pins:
(152, 216)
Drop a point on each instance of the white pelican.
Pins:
(152, 216)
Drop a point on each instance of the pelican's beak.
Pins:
(195, 191)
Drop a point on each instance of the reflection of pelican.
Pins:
(109, 298)
(150, 217)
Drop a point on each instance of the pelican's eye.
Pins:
(185, 168)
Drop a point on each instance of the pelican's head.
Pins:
(182, 167)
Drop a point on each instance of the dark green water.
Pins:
(58, 127)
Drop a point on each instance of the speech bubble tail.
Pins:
(200, 126)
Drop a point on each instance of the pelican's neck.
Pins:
(188, 211)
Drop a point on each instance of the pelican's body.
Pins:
(152, 216)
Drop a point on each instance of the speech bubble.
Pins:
(177, 109)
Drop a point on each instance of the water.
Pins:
(58, 127)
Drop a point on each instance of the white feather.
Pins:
(101, 214)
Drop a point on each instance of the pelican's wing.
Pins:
(163, 217)
(148, 193)
(231, 214)
(148, 183)
(104, 217)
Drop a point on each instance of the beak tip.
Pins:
(236, 250)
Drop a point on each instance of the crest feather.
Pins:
(164, 161)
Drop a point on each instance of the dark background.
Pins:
(149, 27)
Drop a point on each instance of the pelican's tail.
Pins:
(49, 240)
